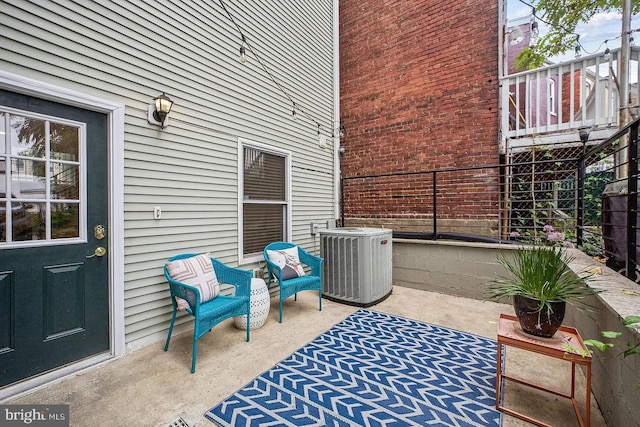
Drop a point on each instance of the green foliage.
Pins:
(611, 334)
(564, 16)
(598, 344)
(631, 348)
(61, 218)
(632, 322)
(594, 186)
(593, 244)
(541, 272)
(602, 346)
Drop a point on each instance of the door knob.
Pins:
(99, 231)
(100, 251)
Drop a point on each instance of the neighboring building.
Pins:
(230, 172)
(540, 96)
(419, 91)
(428, 89)
(558, 95)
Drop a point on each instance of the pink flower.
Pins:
(556, 236)
(514, 234)
(548, 228)
(567, 244)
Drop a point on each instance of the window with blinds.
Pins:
(264, 200)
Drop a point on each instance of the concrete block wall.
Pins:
(455, 268)
(615, 379)
(462, 269)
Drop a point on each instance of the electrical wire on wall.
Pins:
(246, 46)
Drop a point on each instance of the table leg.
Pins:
(588, 404)
(498, 374)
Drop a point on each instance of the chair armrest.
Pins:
(314, 262)
(273, 269)
(188, 293)
(237, 277)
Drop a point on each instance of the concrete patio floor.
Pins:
(150, 387)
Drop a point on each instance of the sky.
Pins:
(603, 26)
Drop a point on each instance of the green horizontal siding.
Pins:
(132, 51)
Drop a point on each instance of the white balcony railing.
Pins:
(553, 101)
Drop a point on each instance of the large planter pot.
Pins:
(543, 323)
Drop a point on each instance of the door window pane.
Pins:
(41, 194)
(3, 132)
(28, 179)
(28, 221)
(64, 142)
(65, 181)
(64, 220)
(28, 136)
(3, 221)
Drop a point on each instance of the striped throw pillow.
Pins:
(198, 272)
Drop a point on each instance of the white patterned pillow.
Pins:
(288, 260)
(196, 271)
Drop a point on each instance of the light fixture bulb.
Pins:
(607, 52)
(243, 51)
(162, 107)
(535, 32)
(243, 54)
(583, 132)
(578, 51)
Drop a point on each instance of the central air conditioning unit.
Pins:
(357, 265)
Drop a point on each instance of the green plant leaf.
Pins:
(598, 344)
(632, 350)
(581, 351)
(541, 272)
(611, 334)
(631, 321)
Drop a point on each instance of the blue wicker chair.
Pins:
(308, 282)
(209, 314)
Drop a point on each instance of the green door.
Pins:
(54, 297)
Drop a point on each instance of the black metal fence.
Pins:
(581, 195)
(614, 166)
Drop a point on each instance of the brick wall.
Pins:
(419, 91)
(566, 93)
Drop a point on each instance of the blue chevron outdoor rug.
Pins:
(374, 369)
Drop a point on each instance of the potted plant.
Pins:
(541, 285)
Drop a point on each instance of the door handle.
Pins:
(99, 252)
(99, 231)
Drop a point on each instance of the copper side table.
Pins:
(510, 333)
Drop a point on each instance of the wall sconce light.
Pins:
(159, 111)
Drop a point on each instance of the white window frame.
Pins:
(287, 232)
(552, 97)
